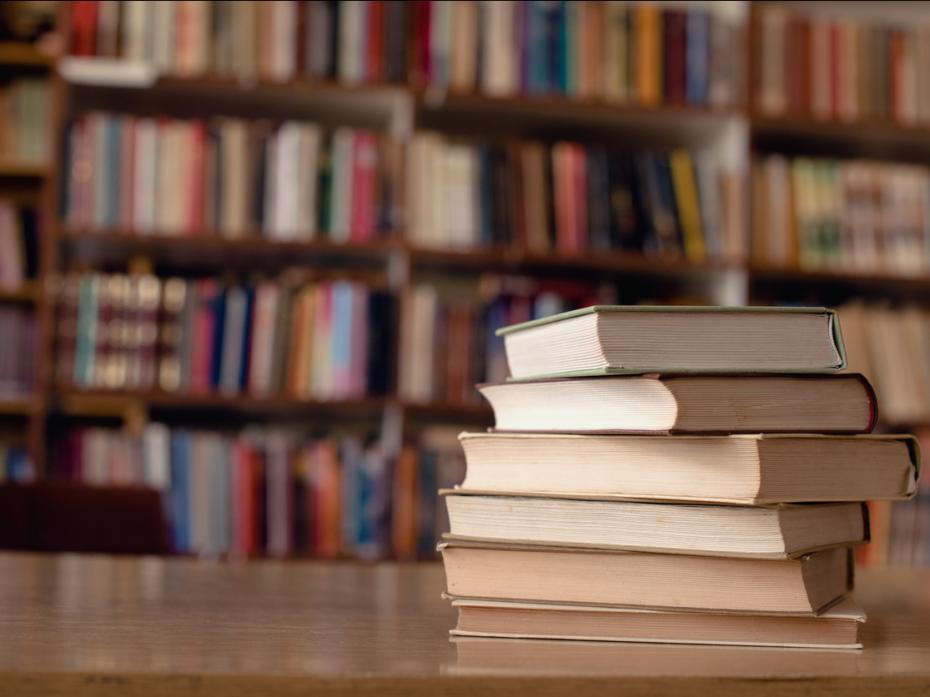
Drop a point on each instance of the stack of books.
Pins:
(644, 478)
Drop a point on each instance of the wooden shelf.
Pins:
(214, 250)
(96, 402)
(28, 292)
(557, 107)
(863, 281)
(18, 405)
(23, 170)
(449, 411)
(606, 262)
(869, 138)
(21, 54)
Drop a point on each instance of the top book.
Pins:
(610, 339)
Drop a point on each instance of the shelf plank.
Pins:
(28, 292)
(865, 138)
(25, 55)
(23, 170)
(18, 405)
(516, 259)
(884, 282)
(102, 401)
(217, 251)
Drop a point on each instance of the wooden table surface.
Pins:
(94, 625)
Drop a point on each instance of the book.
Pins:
(750, 469)
(843, 403)
(837, 627)
(804, 586)
(605, 339)
(763, 532)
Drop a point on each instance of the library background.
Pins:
(252, 253)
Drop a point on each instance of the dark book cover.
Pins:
(179, 498)
(598, 194)
(673, 39)
(247, 326)
(502, 198)
(218, 309)
(697, 56)
(627, 214)
(670, 231)
(396, 23)
(324, 192)
(29, 230)
(485, 195)
(381, 342)
(332, 62)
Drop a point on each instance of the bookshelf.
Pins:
(736, 132)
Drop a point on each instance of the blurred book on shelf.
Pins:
(833, 66)
(24, 121)
(18, 245)
(16, 466)
(348, 41)
(570, 198)
(230, 177)
(274, 492)
(844, 215)
(439, 319)
(302, 339)
(17, 359)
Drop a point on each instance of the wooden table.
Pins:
(85, 625)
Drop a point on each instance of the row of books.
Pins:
(892, 348)
(641, 52)
(230, 177)
(273, 492)
(849, 215)
(15, 465)
(17, 359)
(18, 245)
(308, 339)
(348, 41)
(24, 121)
(570, 198)
(440, 321)
(836, 67)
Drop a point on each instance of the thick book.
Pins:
(750, 469)
(604, 339)
(804, 586)
(837, 628)
(686, 404)
(776, 532)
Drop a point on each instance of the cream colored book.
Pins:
(747, 469)
(836, 628)
(686, 404)
(776, 532)
(804, 586)
(605, 339)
